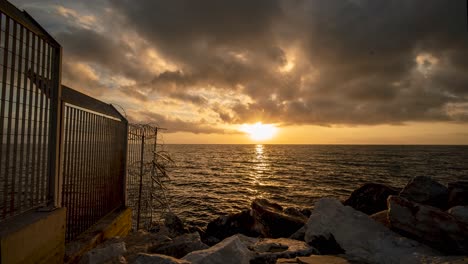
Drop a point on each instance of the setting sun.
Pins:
(259, 131)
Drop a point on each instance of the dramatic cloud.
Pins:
(201, 66)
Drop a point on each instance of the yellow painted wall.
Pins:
(37, 237)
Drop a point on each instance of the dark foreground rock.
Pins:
(360, 236)
(272, 221)
(179, 246)
(425, 190)
(370, 198)
(229, 225)
(174, 225)
(458, 193)
(436, 228)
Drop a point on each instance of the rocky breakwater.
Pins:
(424, 222)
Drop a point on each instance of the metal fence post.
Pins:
(56, 129)
(141, 177)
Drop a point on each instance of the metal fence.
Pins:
(146, 175)
(94, 153)
(29, 111)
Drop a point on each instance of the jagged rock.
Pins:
(381, 217)
(143, 258)
(293, 211)
(232, 250)
(315, 259)
(299, 234)
(174, 224)
(439, 229)
(229, 225)
(460, 213)
(370, 198)
(458, 193)
(268, 250)
(111, 252)
(179, 246)
(271, 221)
(360, 236)
(427, 191)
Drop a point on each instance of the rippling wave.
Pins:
(210, 180)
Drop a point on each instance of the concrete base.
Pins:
(35, 237)
(117, 223)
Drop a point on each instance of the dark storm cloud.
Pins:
(365, 52)
(178, 125)
(355, 61)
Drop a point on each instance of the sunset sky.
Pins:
(344, 72)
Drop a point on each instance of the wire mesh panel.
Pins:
(29, 70)
(142, 142)
(93, 167)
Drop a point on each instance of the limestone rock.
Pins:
(427, 191)
(229, 225)
(111, 252)
(360, 236)
(458, 193)
(437, 228)
(143, 258)
(232, 250)
(271, 221)
(460, 213)
(370, 198)
(315, 259)
(268, 250)
(381, 217)
(179, 246)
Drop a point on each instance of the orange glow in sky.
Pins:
(259, 131)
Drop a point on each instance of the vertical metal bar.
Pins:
(15, 205)
(23, 162)
(2, 111)
(34, 155)
(40, 176)
(73, 174)
(29, 153)
(95, 172)
(10, 117)
(55, 132)
(141, 180)
(44, 126)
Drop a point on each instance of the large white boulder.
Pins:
(437, 228)
(360, 236)
(232, 250)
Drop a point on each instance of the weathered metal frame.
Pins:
(45, 81)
